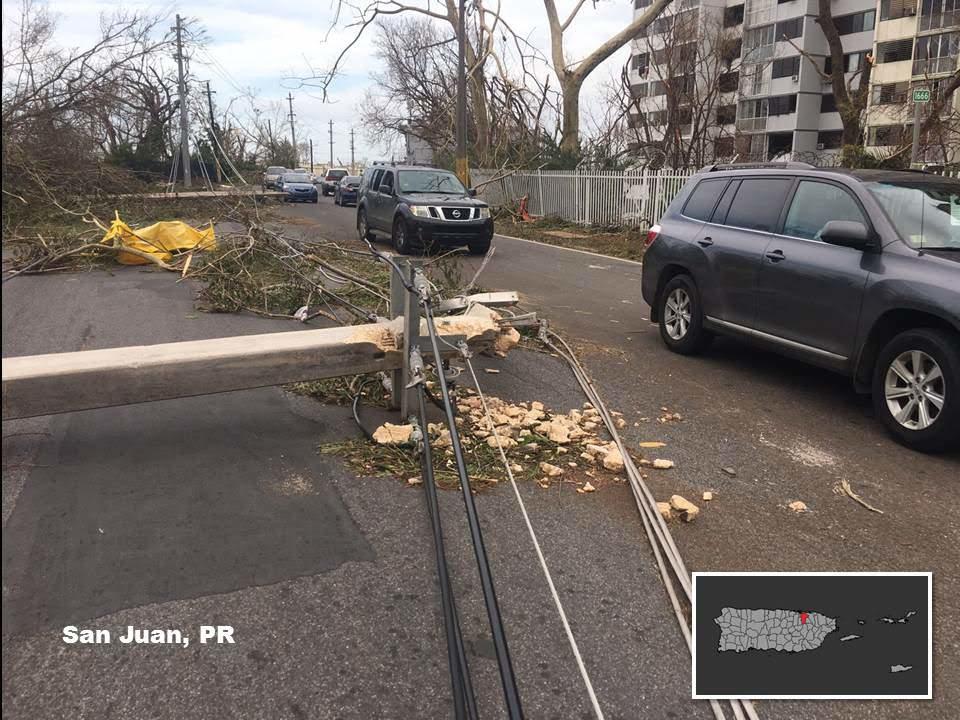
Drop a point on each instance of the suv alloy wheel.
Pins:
(681, 317)
(401, 240)
(363, 227)
(916, 389)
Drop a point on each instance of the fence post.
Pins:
(586, 200)
(540, 187)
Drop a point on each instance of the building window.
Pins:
(890, 93)
(641, 63)
(896, 9)
(726, 114)
(728, 82)
(935, 54)
(894, 51)
(733, 16)
(786, 67)
(885, 135)
(858, 22)
(828, 103)
(758, 43)
(936, 14)
(851, 62)
(658, 88)
(830, 139)
(641, 4)
(789, 29)
(781, 104)
(639, 90)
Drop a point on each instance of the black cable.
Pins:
(464, 701)
(356, 409)
(510, 692)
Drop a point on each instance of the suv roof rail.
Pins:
(760, 166)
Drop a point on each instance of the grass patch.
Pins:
(620, 242)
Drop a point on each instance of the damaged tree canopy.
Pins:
(65, 382)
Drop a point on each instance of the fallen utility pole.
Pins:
(66, 382)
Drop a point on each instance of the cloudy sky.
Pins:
(263, 46)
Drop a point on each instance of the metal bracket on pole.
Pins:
(405, 304)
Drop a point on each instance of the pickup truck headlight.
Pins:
(484, 213)
(420, 210)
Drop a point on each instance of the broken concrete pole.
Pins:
(686, 509)
(666, 512)
(390, 434)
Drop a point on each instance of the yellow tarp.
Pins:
(160, 240)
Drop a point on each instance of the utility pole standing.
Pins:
(463, 170)
(331, 143)
(293, 132)
(213, 131)
(270, 141)
(353, 163)
(182, 92)
(311, 154)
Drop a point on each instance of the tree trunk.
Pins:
(570, 135)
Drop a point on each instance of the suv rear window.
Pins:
(758, 203)
(703, 199)
(336, 174)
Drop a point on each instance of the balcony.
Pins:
(934, 66)
(938, 19)
(754, 124)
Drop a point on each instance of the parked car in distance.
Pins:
(347, 189)
(271, 177)
(298, 188)
(857, 271)
(329, 183)
(421, 208)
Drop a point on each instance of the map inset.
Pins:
(785, 630)
(812, 635)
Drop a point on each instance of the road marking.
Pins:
(560, 247)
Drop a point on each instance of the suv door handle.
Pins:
(705, 242)
(776, 256)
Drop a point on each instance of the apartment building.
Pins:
(767, 92)
(916, 45)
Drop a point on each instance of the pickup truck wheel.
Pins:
(681, 317)
(363, 227)
(479, 248)
(916, 389)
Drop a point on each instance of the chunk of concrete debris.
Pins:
(390, 434)
(686, 509)
(707, 495)
(550, 470)
(587, 488)
(415, 481)
(798, 506)
(666, 512)
(612, 459)
(661, 464)
(652, 444)
(505, 442)
(491, 371)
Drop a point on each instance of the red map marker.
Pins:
(803, 618)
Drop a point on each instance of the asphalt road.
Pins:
(219, 510)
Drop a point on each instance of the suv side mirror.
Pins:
(386, 189)
(846, 233)
(472, 192)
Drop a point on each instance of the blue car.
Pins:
(347, 190)
(298, 188)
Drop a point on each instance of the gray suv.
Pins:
(857, 271)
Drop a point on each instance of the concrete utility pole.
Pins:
(353, 164)
(331, 143)
(213, 130)
(463, 170)
(311, 154)
(182, 92)
(293, 132)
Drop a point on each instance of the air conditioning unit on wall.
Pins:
(820, 146)
(796, 78)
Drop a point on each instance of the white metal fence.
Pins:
(633, 197)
